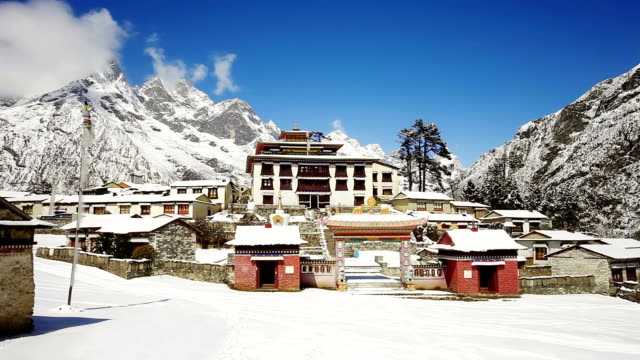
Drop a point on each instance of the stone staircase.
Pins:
(313, 234)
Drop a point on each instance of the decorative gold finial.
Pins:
(295, 126)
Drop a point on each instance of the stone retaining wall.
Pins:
(129, 269)
(17, 289)
(557, 285)
(535, 270)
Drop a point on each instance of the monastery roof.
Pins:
(470, 204)
(27, 223)
(122, 224)
(374, 220)
(29, 198)
(261, 236)
(516, 214)
(336, 159)
(422, 195)
(621, 242)
(11, 194)
(91, 221)
(561, 235)
(223, 181)
(467, 240)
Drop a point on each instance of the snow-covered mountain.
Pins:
(161, 133)
(587, 154)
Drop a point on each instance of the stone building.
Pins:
(517, 222)
(539, 243)
(469, 207)
(611, 264)
(432, 202)
(479, 261)
(172, 237)
(17, 288)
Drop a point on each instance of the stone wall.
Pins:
(556, 285)
(128, 269)
(535, 270)
(582, 262)
(175, 241)
(17, 289)
(374, 245)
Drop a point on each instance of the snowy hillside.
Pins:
(587, 153)
(165, 135)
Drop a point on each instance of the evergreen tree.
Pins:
(407, 140)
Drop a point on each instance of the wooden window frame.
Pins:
(183, 209)
(145, 209)
(166, 207)
(122, 209)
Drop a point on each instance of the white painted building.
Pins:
(220, 190)
(310, 173)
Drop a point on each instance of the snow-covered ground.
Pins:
(213, 256)
(169, 318)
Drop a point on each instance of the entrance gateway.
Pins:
(267, 274)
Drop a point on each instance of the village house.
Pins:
(469, 207)
(479, 261)
(219, 191)
(432, 202)
(172, 238)
(517, 222)
(447, 221)
(195, 206)
(310, 173)
(611, 263)
(17, 288)
(539, 243)
(31, 204)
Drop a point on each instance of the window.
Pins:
(386, 177)
(358, 185)
(421, 205)
(169, 209)
(375, 176)
(617, 275)
(540, 253)
(145, 209)
(182, 191)
(267, 199)
(125, 209)
(183, 209)
(375, 190)
(358, 200)
(213, 193)
(267, 184)
(341, 170)
(285, 170)
(285, 184)
(98, 210)
(358, 171)
(267, 169)
(28, 209)
(387, 191)
(631, 274)
(196, 191)
(438, 206)
(341, 185)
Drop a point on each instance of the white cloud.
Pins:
(173, 71)
(169, 72)
(153, 38)
(198, 73)
(44, 46)
(222, 71)
(337, 125)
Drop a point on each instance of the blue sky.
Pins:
(478, 69)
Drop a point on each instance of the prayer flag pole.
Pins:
(87, 139)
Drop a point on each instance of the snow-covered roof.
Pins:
(224, 216)
(468, 240)
(516, 214)
(121, 224)
(91, 221)
(138, 198)
(136, 225)
(452, 217)
(29, 198)
(28, 223)
(621, 242)
(261, 235)
(613, 251)
(11, 194)
(223, 181)
(422, 195)
(373, 220)
(470, 204)
(561, 235)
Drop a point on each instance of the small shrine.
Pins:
(479, 261)
(268, 257)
